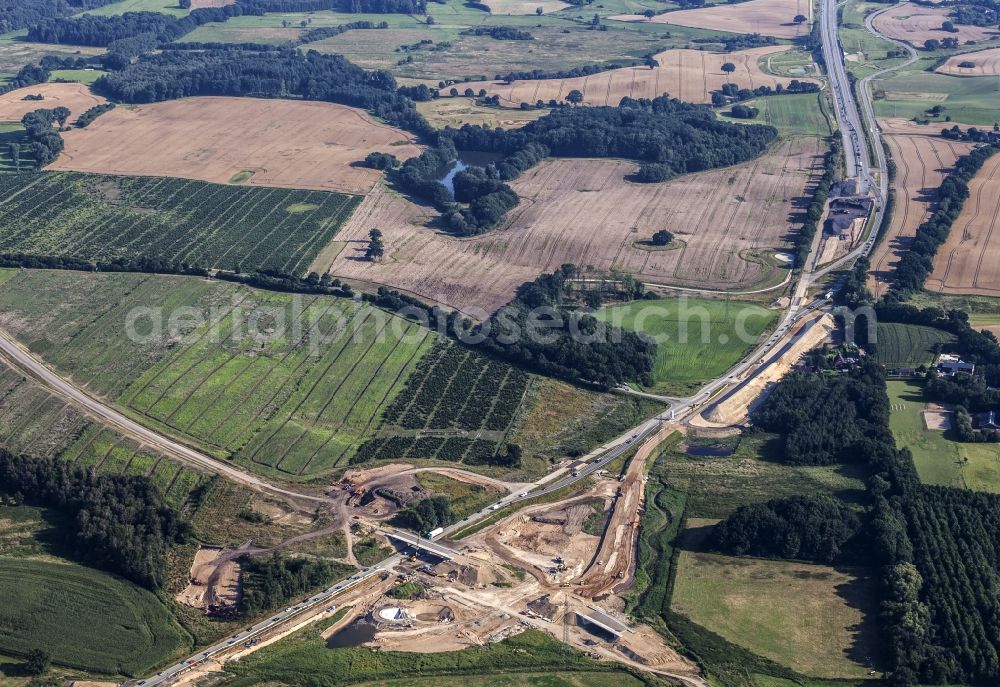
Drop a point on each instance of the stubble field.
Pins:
(916, 24)
(969, 261)
(922, 162)
(767, 17)
(987, 63)
(690, 75)
(279, 143)
(585, 212)
(77, 97)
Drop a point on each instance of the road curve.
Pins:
(29, 364)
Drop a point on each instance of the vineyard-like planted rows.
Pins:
(36, 423)
(454, 389)
(908, 345)
(213, 225)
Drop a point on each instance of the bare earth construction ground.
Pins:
(767, 17)
(585, 212)
(921, 164)
(690, 75)
(969, 262)
(284, 143)
(916, 24)
(74, 96)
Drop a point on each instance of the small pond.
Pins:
(355, 634)
(466, 159)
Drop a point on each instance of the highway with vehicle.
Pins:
(859, 135)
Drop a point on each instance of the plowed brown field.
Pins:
(921, 164)
(969, 261)
(916, 24)
(767, 17)
(74, 96)
(283, 143)
(690, 75)
(585, 212)
(987, 63)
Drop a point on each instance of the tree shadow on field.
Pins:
(860, 593)
(359, 246)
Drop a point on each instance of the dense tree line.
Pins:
(355, 6)
(121, 523)
(28, 75)
(810, 528)
(730, 92)
(100, 30)
(500, 33)
(975, 12)
(817, 205)
(574, 346)
(743, 41)
(18, 14)
(823, 418)
(278, 73)
(583, 70)
(45, 141)
(93, 113)
(972, 134)
(269, 582)
(426, 514)
(917, 262)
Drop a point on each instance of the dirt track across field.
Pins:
(585, 212)
(767, 17)
(283, 143)
(690, 75)
(922, 162)
(74, 96)
(969, 261)
(916, 24)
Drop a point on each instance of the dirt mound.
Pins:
(213, 582)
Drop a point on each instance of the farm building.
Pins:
(948, 364)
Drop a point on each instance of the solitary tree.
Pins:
(430, 20)
(37, 662)
(649, 14)
(661, 238)
(376, 249)
(574, 96)
(949, 27)
(60, 114)
(539, 11)
(800, 19)
(728, 67)
(15, 156)
(596, 20)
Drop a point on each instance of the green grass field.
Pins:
(84, 76)
(699, 338)
(815, 619)
(99, 217)
(803, 114)
(465, 498)
(123, 6)
(303, 659)
(967, 100)
(908, 345)
(84, 618)
(716, 486)
(938, 459)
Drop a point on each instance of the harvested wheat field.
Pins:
(969, 261)
(524, 6)
(201, 4)
(987, 63)
(916, 24)
(586, 213)
(921, 164)
(690, 75)
(283, 143)
(767, 17)
(900, 125)
(74, 96)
